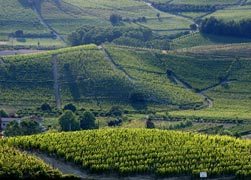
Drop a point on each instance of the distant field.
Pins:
(230, 100)
(76, 13)
(44, 42)
(204, 2)
(233, 13)
(197, 39)
(14, 16)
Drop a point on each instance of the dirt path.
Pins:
(56, 85)
(70, 168)
(116, 66)
(43, 22)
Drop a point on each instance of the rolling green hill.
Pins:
(89, 76)
(20, 165)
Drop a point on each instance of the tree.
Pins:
(19, 33)
(12, 129)
(70, 107)
(137, 97)
(116, 111)
(87, 121)
(193, 27)
(115, 19)
(149, 124)
(29, 127)
(158, 15)
(3, 113)
(46, 107)
(68, 121)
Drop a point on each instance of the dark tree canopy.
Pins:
(150, 124)
(26, 127)
(87, 121)
(115, 19)
(45, 107)
(68, 121)
(70, 107)
(29, 127)
(3, 113)
(115, 111)
(12, 129)
(216, 26)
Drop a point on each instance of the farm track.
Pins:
(56, 84)
(71, 168)
(43, 22)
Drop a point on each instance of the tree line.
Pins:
(216, 26)
(166, 7)
(139, 37)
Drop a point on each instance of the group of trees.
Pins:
(69, 121)
(97, 35)
(216, 26)
(25, 127)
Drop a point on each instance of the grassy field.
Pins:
(233, 13)
(15, 16)
(75, 13)
(39, 42)
(197, 39)
(204, 2)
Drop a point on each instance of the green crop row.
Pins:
(140, 151)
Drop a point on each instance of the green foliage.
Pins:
(115, 111)
(12, 129)
(45, 107)
(19, 165)
(68, 121)
(29, 127)
(150, 124)
(70, 107)
(216, 26)
(115, 19)
(26, 127)
(87, 121)
(97, 35)
(142, 151)
(3, 113)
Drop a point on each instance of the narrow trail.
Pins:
(70, 168)
(116, 66)
(56, 84)
(44, 23)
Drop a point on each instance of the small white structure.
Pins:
(203, 174)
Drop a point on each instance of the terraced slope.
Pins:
(76, 13)
(141, 151)
(17, 16)
(89, 76)
(229, 67)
